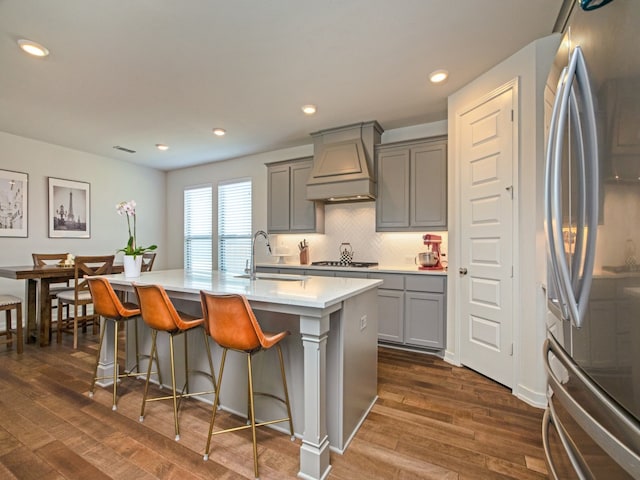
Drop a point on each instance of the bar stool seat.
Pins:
(107, 305)
(9, 303)
(230, 321)
(160, 315)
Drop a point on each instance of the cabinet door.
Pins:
(424, 320)
(303, 211)
(428, 200)
(392, 202)
(391, 315)
(278, 199)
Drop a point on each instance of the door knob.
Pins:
(463, 271)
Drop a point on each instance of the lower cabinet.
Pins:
(411, 308)
(390, 312)
(424, 319)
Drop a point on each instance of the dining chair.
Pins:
(80, 296)
(107, 305)
(160, 315)
(42, 259)
(8, 303)
(147, 261)
(231, 323)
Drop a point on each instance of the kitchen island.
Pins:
(330, 356)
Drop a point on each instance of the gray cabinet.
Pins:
(412, 185)
(411, 308)
(424, 317)
(288, 210)
(390, 315)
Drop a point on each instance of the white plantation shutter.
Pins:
(198, 227)
(234, 225)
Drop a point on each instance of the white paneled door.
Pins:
(487, 154)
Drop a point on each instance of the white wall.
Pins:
(111, 181)
(531, 66)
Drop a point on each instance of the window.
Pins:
(198, 224)
(234, 225)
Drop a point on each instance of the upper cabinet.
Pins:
(412, 185)
(288, 210)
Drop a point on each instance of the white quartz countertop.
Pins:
(401, 268)
(298, 290)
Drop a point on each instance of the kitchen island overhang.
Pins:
(331, 356)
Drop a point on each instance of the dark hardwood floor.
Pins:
(432, 421)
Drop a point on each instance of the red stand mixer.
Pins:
(430, 260)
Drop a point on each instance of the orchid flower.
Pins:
(129, 209)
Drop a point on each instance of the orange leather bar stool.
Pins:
(107, 304)
(230, 321)
(160, 315)
(9, 303)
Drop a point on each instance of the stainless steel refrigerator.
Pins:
(591, 428)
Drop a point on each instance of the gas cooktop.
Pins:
(329, 263)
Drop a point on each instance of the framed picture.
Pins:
(14, 195)
(69, 208)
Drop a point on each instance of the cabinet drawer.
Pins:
(340, 273)
(267, 270)
(294, 271)
(391, 281)
(320, 273)
(423, 283)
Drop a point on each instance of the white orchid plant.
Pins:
(129, 210)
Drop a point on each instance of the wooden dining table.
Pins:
(38, 283)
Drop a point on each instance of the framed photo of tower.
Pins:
(14, 194)
(69, 208)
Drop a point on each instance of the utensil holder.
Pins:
(304, 256)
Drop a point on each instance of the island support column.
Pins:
(107, 362)
(314, 452)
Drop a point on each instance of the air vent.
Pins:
(128, 150)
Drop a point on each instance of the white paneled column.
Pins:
(107, 363)
(314, 452)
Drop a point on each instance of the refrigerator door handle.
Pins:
(589, 147)
(556, 238)
(552, 191)
(575, 283)
(580, 210)
(577, 460)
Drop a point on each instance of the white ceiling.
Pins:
(138, 73)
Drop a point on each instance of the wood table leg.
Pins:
(45, 313)
(32, 310)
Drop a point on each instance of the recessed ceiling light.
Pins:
(161, 146)
(438, 76)
(219, 131)
(309, 109)
(33, 48)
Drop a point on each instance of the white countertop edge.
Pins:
(410, 269)
(330, 290)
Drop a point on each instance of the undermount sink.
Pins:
(275, 276)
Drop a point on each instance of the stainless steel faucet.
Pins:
(259, 233)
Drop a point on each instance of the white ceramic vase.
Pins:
(132, 265)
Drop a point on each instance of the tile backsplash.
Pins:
(355, 223)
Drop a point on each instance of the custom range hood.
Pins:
(343, 163)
